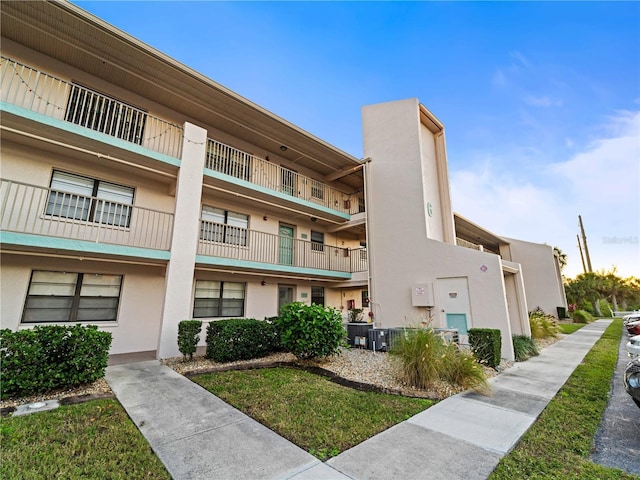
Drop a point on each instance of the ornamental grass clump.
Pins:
(524, 347)
(542, 324)
(426, 358)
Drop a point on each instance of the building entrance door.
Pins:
(454, 302)
(285, 245)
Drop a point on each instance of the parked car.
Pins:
(633, 326)
(632, 317)
(632, 380)
(633, 346)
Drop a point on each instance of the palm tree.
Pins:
(562, 257)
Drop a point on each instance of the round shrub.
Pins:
(310, 331)
(582, 316)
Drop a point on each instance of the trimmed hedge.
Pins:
(188, 337)
(51, 356)
(486, 344)
(240, 339)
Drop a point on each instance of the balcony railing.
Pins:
(236, 163)
(464, 243)
(225, 241)
(40, 92)
(43, 211)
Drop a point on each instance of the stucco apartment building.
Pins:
(136, 193)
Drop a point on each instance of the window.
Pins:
(222, 226)
(71, 197)
(363, 250)
(317, 190)
(365, 298)
(288, 181)
(218, 299)
(361, 205)
(105, 114)
(72, 297)
(317, 295)
(317, 241)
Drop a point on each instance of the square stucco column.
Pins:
(184, 240)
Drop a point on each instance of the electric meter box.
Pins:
(422, 295)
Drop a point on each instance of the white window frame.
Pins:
(218, 225)
(74, 293)
(217, 306)
(317, 245)
(88, 199)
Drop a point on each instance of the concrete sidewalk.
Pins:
(198, 436)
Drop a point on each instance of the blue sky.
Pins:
(540, 100)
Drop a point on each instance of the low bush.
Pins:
(51, 356)
(582, 316)
(524, 347)
(427, 358)
(542, 324)
(188, 337)
(240, 339)
(486, 344)
(605, 308)
(310, 331)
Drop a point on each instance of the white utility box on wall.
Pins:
(422, 295)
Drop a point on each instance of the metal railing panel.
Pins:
(43, 211)
(245, 166)
(219, 240)
(48, 95)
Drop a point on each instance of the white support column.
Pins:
(184, 240)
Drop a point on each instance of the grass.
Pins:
(559, 443)
(95, 439)
(567, 328)
(427, 358)
(320, 416)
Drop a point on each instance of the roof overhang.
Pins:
(467, 230)
(73, 36)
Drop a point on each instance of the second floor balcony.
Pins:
(45, 212)
(258, 250)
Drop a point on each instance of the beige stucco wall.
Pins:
(140, 306)
(541, 275)
(34, 166)
(401, 180)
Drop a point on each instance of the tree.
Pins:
(587, 289)
(562, 257)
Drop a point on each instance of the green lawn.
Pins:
(93, 440)
(557, 446)
(320, 416)
(570, 327)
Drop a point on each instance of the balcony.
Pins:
(262, 173)
(95, 222)
(252, 249)
(44, 94)
(465, 243)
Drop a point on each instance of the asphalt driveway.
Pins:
(617, 442)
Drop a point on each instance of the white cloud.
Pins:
(601, 183)
(521, 60)
(499, 78)
(542, 101)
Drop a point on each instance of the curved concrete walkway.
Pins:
(198, 436)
